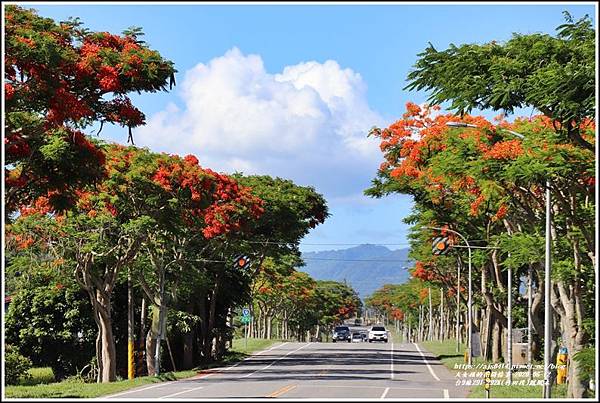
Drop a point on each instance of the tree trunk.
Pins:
(151, 340)
(208, 346)
(188, 343)
(109, 353)
(496, 342)
(568, 306)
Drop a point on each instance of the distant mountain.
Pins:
(365, 267)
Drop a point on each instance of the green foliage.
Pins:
(52, 323)
(59, 79)
(555, 75)
(16, 366)
(587, 360)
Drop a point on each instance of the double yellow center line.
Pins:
(281, 391)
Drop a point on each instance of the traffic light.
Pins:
(440, 245)
(241, 262)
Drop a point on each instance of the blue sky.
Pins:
(291, 90)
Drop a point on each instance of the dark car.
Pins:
(341, 333)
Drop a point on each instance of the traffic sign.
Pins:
(245, 312)
(440, 245)
(241, 262)
(245, 320)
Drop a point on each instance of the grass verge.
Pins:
(80, 389)
(446, 353)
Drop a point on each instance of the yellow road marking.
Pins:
(281, 391)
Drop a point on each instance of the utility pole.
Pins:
(529, 314)
(160, 322)
(547, 305)
(458, 309)
(130, 331)
(470, 303)
(509, 347)
(441, 314)
(430, 333)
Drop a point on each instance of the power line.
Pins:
(357, 260)
(329, 244)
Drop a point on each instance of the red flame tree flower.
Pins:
(59, 79)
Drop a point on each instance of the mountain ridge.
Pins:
(365, 267)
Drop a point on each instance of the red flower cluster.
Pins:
(16, 146)
(421, 272)
(108, 78)
(65, 105)
(504, 150)
(501, 213)
(475, 205)
(9, 91)
(123, 112)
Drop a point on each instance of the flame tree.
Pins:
(60, 78)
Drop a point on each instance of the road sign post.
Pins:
(245, 321)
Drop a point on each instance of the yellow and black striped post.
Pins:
(130, 332)
(487, 380)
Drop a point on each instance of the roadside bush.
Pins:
(587, 360)
(16, 365)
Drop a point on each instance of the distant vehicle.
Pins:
(358, 322)
(364, 335)
(341, 333)
(357, 338)
(378, 333)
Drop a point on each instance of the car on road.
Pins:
(357, 338)
(341, 333)
(378, 333)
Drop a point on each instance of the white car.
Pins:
(378, 333)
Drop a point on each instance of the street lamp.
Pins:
(470, 310)
(547, 278)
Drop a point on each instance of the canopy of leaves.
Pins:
(555, 75)
(59, 79)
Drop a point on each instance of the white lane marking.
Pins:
(446, 394)
(264, 351)
(182, 392)
(428, 366)
(136, 390)
(282, 357)
(392, 362)
(358, 387)
(240, 362)
(385, 392)
(202, 377)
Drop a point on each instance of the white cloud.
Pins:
(308, 123)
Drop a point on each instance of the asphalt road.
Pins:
(318, 370)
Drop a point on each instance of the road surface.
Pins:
(318, 370)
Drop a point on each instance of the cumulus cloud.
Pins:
(307, 123)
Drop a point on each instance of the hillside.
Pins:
(386, 266)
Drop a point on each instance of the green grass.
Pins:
(39, 375)
(40, 386)
(446, 353)
(239, 345)
(80, 389)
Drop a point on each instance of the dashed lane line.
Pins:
(136, 390)
(426, 363)
(280, 358)
(392, 362)
(181, 392)
(202, 377)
